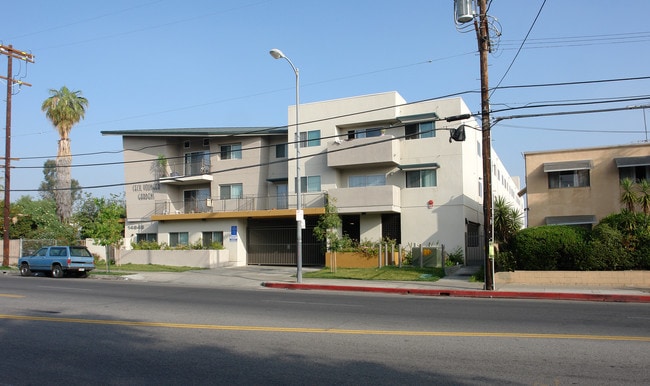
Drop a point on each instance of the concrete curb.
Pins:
(468, 293)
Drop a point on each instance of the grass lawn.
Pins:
(383, 273)
(128, 268)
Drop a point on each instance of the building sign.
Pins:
(233, 233)
(146, 191)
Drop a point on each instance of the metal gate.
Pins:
(273, 242)
(474, 253)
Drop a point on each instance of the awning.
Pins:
(418, 118)
(567, 165)
(629, 162)
(432, 165)
(277, 179)
(570, 220)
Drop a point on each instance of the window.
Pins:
(197, 163)
(281, 150)
(634, 173)
(212, 237)
(310, 184)
(361, 181)
(232, 151)
(196, 201)
(227, 192)
(149, 237)
(364, 133)
(568, 179)
(421, 178)
(310, 138)
(420, 130)
(178, 238)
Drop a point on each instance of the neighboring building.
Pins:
(388, 164)
(581, 186)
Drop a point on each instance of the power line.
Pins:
(556, 84)
(519, 49)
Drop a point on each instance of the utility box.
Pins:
(427, 257)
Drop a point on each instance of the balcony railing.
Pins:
(187, 173)
(246, 203)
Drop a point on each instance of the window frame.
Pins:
(567, 179)
(230, 195)
(362, 181)
(176, 238)
(415, 130)
(422, 176)
(308, 184)
(281, 150)
(230, 151)
(212, 234)
(310, 138)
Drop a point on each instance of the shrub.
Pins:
(549, 247)
(505, 261)
(456, 257)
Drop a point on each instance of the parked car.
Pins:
(58, 261)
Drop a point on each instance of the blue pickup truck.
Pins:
(58, 261)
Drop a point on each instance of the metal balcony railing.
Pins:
(245, 203)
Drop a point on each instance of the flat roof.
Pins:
(200, 132)
(587, 148)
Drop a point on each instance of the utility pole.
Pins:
(483, 37)
(20, 55)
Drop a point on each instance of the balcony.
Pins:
(240, 206)
(360, 152)
(187, 173)
(367, 199)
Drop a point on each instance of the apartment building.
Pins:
(390, 167)
(581, 186)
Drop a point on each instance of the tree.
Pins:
(507, 220)
(93, 210)
(102, 220)
(47, 188)
(326, 230)
(628, 194)
(644, 196)
(36, 219)
(64, 108)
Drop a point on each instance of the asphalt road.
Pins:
(83, 331)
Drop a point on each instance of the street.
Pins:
(81, 331)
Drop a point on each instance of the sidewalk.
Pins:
(455, 285)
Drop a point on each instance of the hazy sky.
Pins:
(188, 64)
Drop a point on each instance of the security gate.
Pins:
(273, 242)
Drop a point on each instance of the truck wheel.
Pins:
(57, 271)
(24, 270)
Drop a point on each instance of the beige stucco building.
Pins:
(390, 166)
(581, 186)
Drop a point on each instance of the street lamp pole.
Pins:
(277, 54)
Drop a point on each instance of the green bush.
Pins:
(620, 241)
(505, 261)
(455, 258)
(549, 247)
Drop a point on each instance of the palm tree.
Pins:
(507, 220)
(644, 196)
(64, 108)
(628, 195)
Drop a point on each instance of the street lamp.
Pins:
(277, 54)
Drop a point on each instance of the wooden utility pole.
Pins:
(20, 55)
(483, 36)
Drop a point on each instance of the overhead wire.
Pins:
(512, 62)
